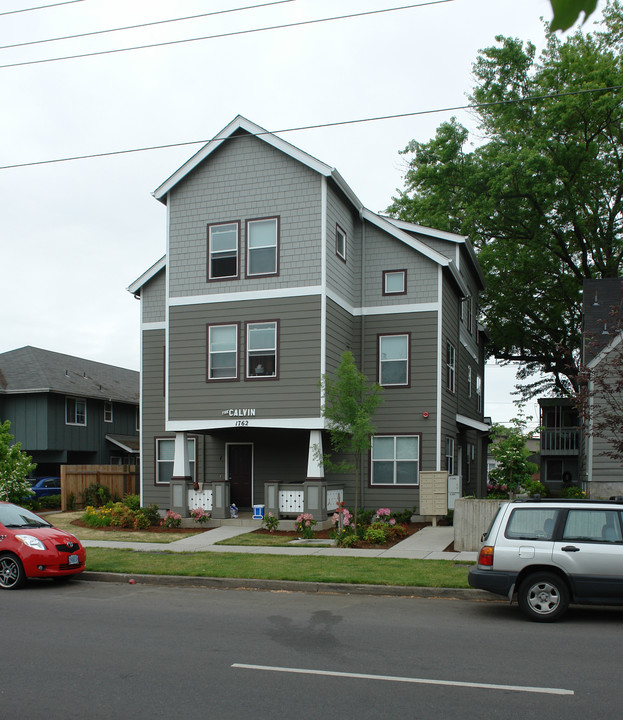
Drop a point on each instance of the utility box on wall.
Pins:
(434, 493)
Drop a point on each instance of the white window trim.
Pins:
(390, 273)
(450, 452)
(76, 400)
(338, 232)
(451, 367)
(108, 412)
(469, 381)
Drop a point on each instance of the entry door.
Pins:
(240, 473)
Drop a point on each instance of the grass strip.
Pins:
(252, 539)
(304, 568)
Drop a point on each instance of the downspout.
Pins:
(362, 331)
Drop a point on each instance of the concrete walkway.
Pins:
(429, 543)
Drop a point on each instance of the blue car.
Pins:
(45, 486)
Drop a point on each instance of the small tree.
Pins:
(511, 453)
(14, 467)
(349, 405)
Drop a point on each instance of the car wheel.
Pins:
(543, 597)
(11, 572)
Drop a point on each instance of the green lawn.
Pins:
(366, 571)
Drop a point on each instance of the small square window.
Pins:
(394, 282)
(340, 243)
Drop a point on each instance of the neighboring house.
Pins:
(273, 268)
(602, 475)
(69, 411)
(561, 444)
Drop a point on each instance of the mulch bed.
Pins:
(326, 534)
(158, 529)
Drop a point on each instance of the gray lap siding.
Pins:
(294, 393)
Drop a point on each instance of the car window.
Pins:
(532, 524)
(14, 516)
(592, 526)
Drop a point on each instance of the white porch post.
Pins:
(315, 466)
(181, 476)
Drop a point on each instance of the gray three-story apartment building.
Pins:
(273, 268)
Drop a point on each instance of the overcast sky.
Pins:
(75, 234)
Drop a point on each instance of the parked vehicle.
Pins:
(552, 553)
(45, 486)
(31, 547)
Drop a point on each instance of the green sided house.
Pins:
(272, 269)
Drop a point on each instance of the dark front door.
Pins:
(240, 471)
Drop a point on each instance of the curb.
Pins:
(216, 583)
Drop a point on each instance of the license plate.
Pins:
(74, 560)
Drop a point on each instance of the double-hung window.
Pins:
(479, 392)
(340, 243)
(451, 367)
(223, 251)
(450, 455)
(469, 381)
(394, 360)
(75, 411)
(262, 349)
(222, 352)
(395, 460)
(165, 454)
(108, 412)
(263, 246)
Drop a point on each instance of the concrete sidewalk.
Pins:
(430, 543)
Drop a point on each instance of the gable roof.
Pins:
(398, 229)
(30, 369)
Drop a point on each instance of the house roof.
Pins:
(398, 229)
(32, 370)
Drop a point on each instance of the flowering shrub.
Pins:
(97, 517)
(200, 515)
(270, 522)
(305, 525)
(119, 515)
(172, 519)
(573, 492)
(497, 492)
(377, 533)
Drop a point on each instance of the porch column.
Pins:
(315, 467)
(181, 476)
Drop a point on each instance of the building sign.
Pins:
(239, 412)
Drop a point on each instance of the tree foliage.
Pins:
(566, 12)
(349, 406)
(15, 466)
(540, 197)
(511, 453)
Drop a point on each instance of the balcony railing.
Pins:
(560, 441)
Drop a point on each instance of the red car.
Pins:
(31, 547)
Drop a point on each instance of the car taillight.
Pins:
(485, 557)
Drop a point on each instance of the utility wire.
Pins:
(471, 106)
(227, 34)
(41, 7)
(141, 25)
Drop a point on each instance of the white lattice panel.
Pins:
(200, 499)
(333, 497)
(291, 501)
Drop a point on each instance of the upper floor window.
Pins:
(395, 460)
(394, 359)
(75, 411)
(262, 349)
(222, 352)
(165, 455)
(262, 246)
(469, 381)
(451, 367)
(108, 412)
(340, 242)
(394, 282)
(469, 314)
(223, 251)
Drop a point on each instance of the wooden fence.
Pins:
(75, 479)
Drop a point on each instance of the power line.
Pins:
(227, 34)
(41, 7)
(337, 123)
(141, 25)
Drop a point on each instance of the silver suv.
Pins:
(552, 553)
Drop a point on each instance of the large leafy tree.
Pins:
(14, 467)
(540, 195)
